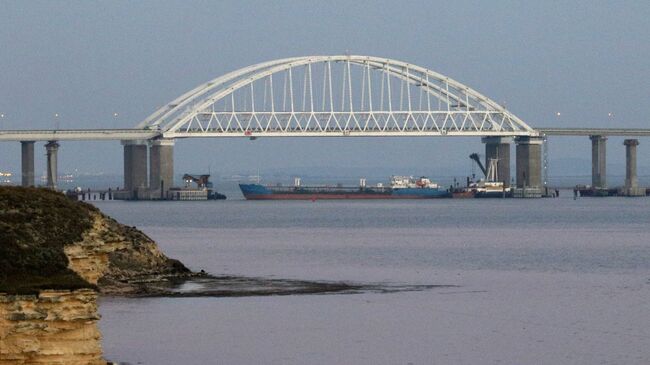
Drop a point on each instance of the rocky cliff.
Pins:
(55, 254)
(53, 327)
(119, 259)
(50, 242)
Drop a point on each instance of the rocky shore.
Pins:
(50, 242)
(58, 255)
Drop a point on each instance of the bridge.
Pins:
(321, 96)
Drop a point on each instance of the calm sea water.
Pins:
(557, 281)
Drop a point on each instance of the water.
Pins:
(539, 281)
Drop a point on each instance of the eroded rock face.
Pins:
(53, 327)
(50, 242)
(117, 257)
(86, 250)
(89, 258)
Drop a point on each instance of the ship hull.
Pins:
(492, 194)
(463, 194)
(260, 192)
(591, 192)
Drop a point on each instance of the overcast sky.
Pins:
(88, 60)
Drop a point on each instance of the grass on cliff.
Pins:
(35, 224)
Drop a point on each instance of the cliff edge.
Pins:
(50, 242)
(55, 254)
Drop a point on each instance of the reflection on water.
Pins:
(539, 281)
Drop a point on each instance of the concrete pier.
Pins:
(529, 166)
(499, 148)
(135, 166)
(161, 167)
(27, 162)
(598, 161)
(631, 181)
(52, 148)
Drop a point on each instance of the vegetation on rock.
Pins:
(35, 225)
(48, 241)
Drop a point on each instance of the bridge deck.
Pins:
(631, 132)
(143, 134)
(77, 134)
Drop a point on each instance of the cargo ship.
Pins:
(400, 187)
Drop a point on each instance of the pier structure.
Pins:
(529, 167)
(52, 148)
(148, 169)
(631, 187)
(161, 167)
(27, 162)
(135, 166)
(598, 161)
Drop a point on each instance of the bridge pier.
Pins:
(499, 148)
(135, 166)
(529, 167)
(27, 162)
(52, 148)
(631, 181)
(161, 167)
(598, 161)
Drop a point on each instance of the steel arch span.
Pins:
(341, 95)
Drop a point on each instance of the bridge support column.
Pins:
(52, 148)
(161, 162)
(27, 162)
(529, 166)
(598, 162)
(135, 166)
(499, 148)
(631, 180)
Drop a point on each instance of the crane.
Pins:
(477, 159)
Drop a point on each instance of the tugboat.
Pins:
(465, 192)
(204, 189)
(489, 187)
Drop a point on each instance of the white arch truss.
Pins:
(334, 96)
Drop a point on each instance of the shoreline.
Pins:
(207, 285)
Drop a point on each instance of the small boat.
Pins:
(490, 187)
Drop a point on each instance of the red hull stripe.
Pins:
(333, 196)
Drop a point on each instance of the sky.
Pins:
(87, 60)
